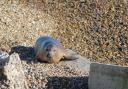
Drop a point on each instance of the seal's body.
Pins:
(49, 50)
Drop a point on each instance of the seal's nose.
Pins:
(49, 55)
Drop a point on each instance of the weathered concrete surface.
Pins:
(108, 77)
(12, 72)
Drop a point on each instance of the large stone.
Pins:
(108, 77)
(11, 71)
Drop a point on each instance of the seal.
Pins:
(50, 50)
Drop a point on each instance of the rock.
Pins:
(3, 55)
(12, 71)
(108, 77)
(3, 58)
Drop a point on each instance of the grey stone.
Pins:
(12, 71)
(3, 58)
(103, 76)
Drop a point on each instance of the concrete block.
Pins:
(103, 76)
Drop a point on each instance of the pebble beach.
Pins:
(96, 29)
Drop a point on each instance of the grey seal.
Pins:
(50, 50)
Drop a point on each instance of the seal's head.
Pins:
(51, 53)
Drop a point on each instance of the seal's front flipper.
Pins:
(70, 55)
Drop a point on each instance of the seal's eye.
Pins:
(47, 49)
